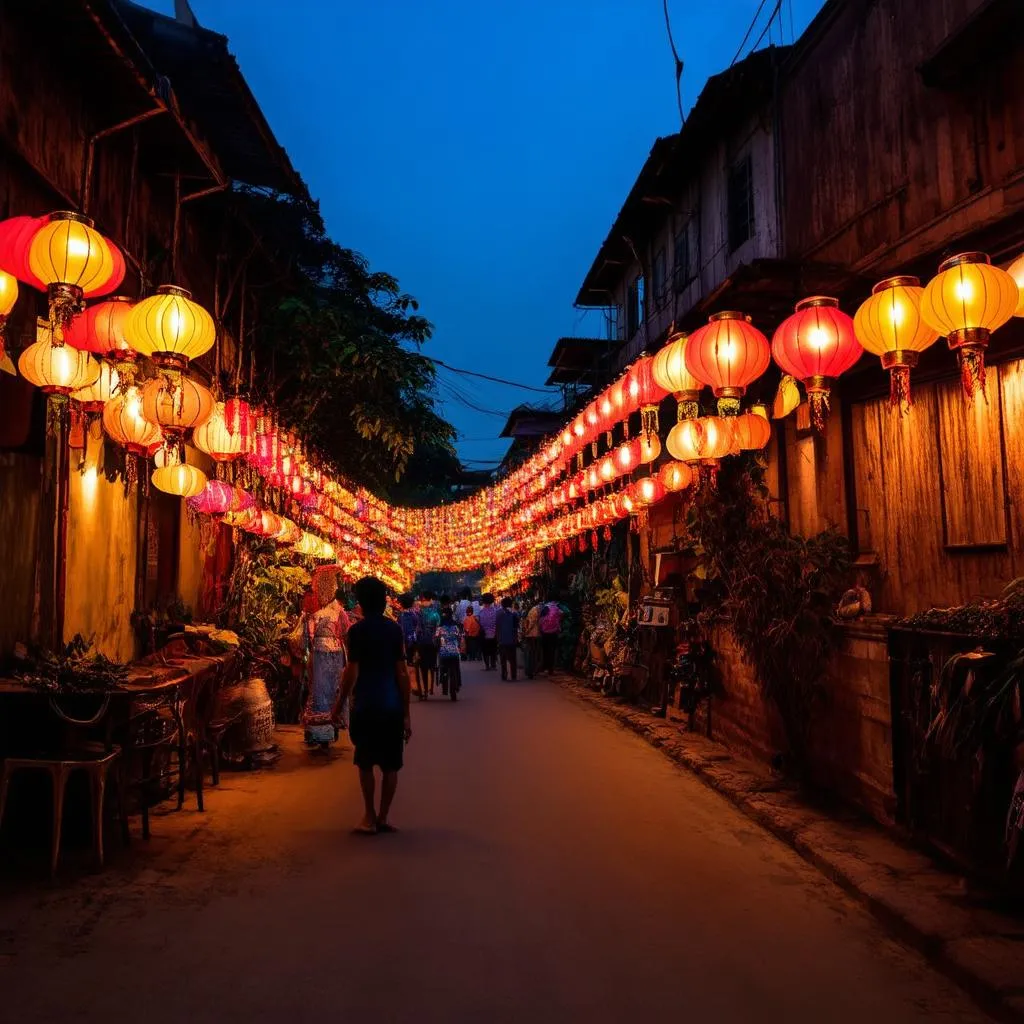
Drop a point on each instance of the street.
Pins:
(550, 867)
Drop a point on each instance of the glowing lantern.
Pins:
(670, 371)
(643, 392)
(966, 301)
(593, 479)
(176, 406)
(16, 234)
(102, 330)
(240, 421)
(649, 490)
(182, 480)
(627, 457)
(728, 354)
(675, 476)
(214, 438)
(170, 328)
(607, 470)
(8, 297)
(650, 448)
(606, 413)
(751, 431)
(217, 498)
(815, 345)
(706, 439)
(125, 424)
(55, 368)
(889, 325)
(685, 440)
(1016, 271)
(95, 396)
(71, 258)
(593, 419)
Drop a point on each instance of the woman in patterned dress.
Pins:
(326, 631)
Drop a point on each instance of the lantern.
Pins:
(643, 392)
(1016, 271)
(102, 330)
(72, 259)
(240, 421)
(170, 328)
(176, 406)
(8, 297)
(966, 301)
(650, 448)
(751, 431)
(671, 373)
(606, 413)
(728, 354)
(55, 368)
(649, 490)
(215, 499)
(889, 324)
(684, 441)
(627, 457)
(16, 234)
(181, 479)
(607, 469)
(214, 438)
(95, 396)
(815, 345)
(125, 424)
(706, 439)
(675, 476)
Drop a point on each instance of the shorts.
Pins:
(379, 739)
(428, 655)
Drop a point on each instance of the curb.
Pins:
(980, 963)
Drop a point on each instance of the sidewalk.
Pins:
(979, 948)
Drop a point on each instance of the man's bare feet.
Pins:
(367, 827)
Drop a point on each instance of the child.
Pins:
(449, 642)
(471, 627)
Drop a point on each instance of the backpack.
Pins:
(551, 619)
(409, 621)
(430, 619)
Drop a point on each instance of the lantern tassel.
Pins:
(900, 396)
(728, 407)
(65, 303)
(972, 372)
(819, 402)
(687, 410)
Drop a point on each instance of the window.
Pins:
(635, 306)
(740, 203)
(659, 279)
(682, 272)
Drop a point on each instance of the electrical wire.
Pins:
(487, 376)
(764, 32)
(753, 23)
(678, 61)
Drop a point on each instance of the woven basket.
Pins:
(248, 703)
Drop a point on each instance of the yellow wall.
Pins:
(100, 593)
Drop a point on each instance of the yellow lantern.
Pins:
(966, 301)
(650, 448)
(889, 324)
(176, 404)
(94, 397)
(170, 328)
(8, 297)
(182, 480)
(53, 367)
(676, 476)
(685, 440)
(670, 372)
(1016, 271)
(214, 438)
(124, 422)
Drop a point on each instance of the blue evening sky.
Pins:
(479, 151)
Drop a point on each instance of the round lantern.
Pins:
(816, 344)
(125, 424)
(170, 328)
(56, 368)
(606, 414)
(966, 301)
(607, 469)
(8, 297)
(176, 405)
(706, 439)
(627, 457)
(643, 392)
(102, 330)
(16, 234)
(675, 476)
(649, 490)
(215, 499)
(182, 480)
(671, 373)
(214, 438)
(1016, 271)
(728, 354)
(684, 441)
(650, 448)
(889, 325)
(240, 421)
(95, 396)
(72, 259)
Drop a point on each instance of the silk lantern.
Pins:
(170, 328)
(102, 330)
(751, 431)
(214, 438)
(1016, 271)
(176, 406)
(670, 371)
(728, 354)
(181, 480)
(57, 370)
(815, 345)
(966, 301)
(675, 476)
(889, 325)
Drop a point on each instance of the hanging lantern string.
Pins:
(176, 233)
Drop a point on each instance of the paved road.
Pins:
(550, 868)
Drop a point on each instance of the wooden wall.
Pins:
(878, 168)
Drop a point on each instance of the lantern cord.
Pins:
(176, 235)
(678, 62)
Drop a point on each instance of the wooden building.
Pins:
(146, 124)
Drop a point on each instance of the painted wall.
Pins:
(100, 595)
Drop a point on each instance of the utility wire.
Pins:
(764, 32)
(678, 61)
(487, 376)
(753, 22)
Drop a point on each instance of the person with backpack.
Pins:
(550, 627)
(426, 648)
(449, 645)
(409, 620)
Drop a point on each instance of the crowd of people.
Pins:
(364, 658)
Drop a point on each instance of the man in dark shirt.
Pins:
(507, 632)
(378, 679)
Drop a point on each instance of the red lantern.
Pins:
(676, 476)
(16, 234)
(643, 392)
(649, 490)
(215, 499)
(240, 421)
(627, 457)
(728, 354)
(816, 344)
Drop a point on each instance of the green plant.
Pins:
(777, 590)
(71, 669)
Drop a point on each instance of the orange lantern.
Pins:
(125, 424)
(643, 392)
(675, 476)
(728, 354)
(176, 405)
(671, 372)
(751, 431)
(966, 301)
(93, 397)
(889, 324)
(8, 297)
(816, 344)
(101, 329)
(55, 368)
(1016, 271)
(627, 457)
(649, 490)
(650, 448)
(607, 469)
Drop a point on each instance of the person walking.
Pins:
(507, 632)
(377, 678)
(326, 631)
(426, 649)
(464, 606)
(449, 649)
(550, 627)
(471, 628)
(531, 640)
(489, 631)
(409, 621)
